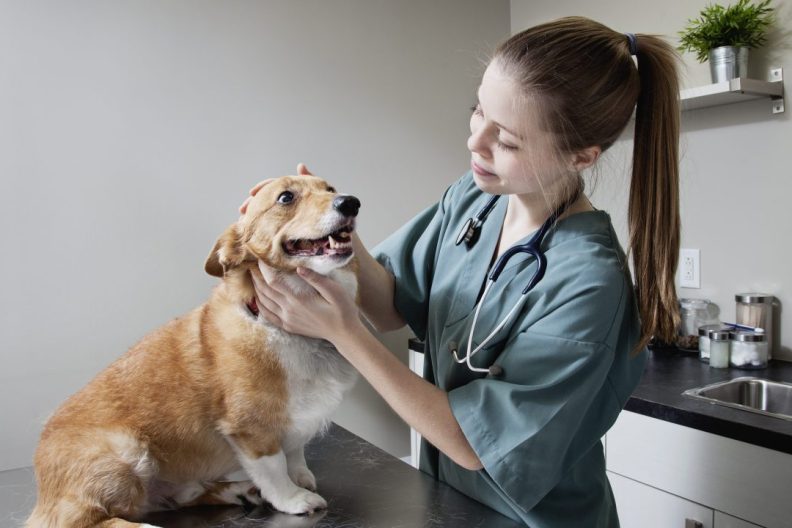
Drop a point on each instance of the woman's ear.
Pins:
(585, 158)
(228, 252)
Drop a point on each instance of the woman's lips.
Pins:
(480, 171)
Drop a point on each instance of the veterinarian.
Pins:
(524, 437)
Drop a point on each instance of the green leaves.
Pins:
(742, 24)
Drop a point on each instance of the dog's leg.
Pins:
(269, 472)
(120, 523)
(298, 468)
(238, 493)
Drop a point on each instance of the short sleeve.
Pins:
(532, 426)
(410, 255)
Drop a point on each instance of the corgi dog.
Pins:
(212, 392)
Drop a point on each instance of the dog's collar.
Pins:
(252, 307)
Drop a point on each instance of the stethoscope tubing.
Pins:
(469, 234)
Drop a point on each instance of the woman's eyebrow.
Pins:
(478, 102)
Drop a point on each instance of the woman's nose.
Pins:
(476, 142)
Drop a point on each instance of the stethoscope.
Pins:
(469, 235)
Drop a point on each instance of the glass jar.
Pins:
(719, 348)
(693, 314)
(756, 310)
(704, 340)
(748, 349)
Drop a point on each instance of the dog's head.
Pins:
(292, 221)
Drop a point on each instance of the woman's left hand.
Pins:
(326, 313)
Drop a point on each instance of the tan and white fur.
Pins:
(211, 392)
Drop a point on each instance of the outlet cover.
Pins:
(689, 268)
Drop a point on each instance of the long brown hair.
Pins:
(584, 75)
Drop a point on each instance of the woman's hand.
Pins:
(302, 170)
(328, 312)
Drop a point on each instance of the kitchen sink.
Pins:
(771, 398)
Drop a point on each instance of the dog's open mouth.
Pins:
(336, 244)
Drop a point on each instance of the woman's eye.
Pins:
(504, 146)
(476, 109)
(285, 197)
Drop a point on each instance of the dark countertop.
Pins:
(364, 487)
(670, 372)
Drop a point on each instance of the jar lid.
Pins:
(719, 335)
(753, 297)
(747, 335)
(704, 330)
(694, 303)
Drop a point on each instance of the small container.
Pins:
(693, 313)
(719, 348)
(756, 310)
(748, 349)
(704, 340)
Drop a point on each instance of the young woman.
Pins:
(524, 436)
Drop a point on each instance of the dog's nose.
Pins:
(346, 205)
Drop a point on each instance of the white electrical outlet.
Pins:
(689, 268)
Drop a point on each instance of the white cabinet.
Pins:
(727, 521)
(740, 480)
(416, 365)
(642, 506)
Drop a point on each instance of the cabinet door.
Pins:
(743, 480)
(727, 521)
(642, 506)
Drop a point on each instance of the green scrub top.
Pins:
(568, 366)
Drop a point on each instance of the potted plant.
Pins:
(723, 35)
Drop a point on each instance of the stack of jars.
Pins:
(723, 346)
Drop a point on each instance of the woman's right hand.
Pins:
(302, 170)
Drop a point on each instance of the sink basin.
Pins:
(771, 398)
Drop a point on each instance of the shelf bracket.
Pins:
(777, 75)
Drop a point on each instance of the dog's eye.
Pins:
(332, 190)
(285, 197)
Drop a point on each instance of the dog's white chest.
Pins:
(317, 378)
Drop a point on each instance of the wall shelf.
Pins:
(736, 91)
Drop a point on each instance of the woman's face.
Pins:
(510, 152)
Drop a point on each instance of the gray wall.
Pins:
(734, 172)
(131, 131)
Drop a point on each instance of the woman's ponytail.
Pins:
(654, 190)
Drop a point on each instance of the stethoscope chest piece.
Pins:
(495, 371)
(469, 232)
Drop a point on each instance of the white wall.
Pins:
(734, 173)
(130, 131)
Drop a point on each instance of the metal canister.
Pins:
(756, 310)
(719, 348)
(748, 350)
(704, 340)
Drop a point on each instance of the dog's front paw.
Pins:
(302, 502)
(303, 477)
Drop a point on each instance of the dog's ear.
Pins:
(228, 252)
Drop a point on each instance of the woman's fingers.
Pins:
(256, 188)
(322, 284)
(244, 206)
(270, 316)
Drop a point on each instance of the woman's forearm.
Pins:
(376, 287)
(422, 405)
